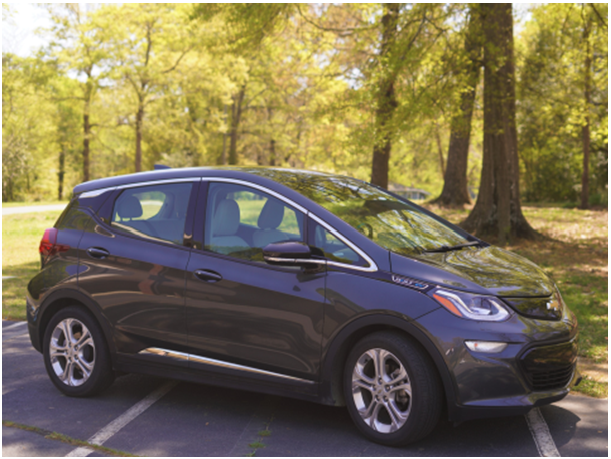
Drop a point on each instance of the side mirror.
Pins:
(290, 253)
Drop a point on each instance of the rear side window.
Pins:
(156, 212)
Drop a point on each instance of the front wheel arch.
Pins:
(337, 352)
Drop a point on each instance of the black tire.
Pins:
(420, 412)
(92, 354)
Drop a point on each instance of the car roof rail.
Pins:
(159, 167)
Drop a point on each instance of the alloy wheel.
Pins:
(381, 390)
(72, 352)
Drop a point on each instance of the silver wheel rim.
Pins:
(381, 390)
(72, 352)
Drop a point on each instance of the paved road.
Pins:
(32, 209)
(197, 420)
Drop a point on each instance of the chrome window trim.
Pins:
(99, 191)
(182, 356)
(94, 193)
(373, 267)
(303, 210)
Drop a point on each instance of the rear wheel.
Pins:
(75, 353)
(392, 389)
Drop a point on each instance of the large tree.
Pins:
(498, 212)
(147, 44)
(78, 45)
(455, 192)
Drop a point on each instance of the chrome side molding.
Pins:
(181, 356)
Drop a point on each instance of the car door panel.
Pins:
(139, 284)
(256, 316)
(239, 309)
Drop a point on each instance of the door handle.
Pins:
(207, 275)
(96, 252)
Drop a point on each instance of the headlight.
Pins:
(470, 305)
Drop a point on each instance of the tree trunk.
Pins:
(497, 212)
(387, 101)
(139, 122)
(235, 123)
(224, 153)
(86, 137)
(585, 130)
(272, 142)
(272, 152)
(455, 192)
(60, 174)
(440, 150)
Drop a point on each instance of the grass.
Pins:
(21, 235)
(66, 439)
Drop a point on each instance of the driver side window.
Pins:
(240, 221)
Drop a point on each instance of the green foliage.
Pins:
(551, 107)
(305, 80)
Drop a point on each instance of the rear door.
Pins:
(133, 264)
(244, 315)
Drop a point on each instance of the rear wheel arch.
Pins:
(63, 299)
(343, 342)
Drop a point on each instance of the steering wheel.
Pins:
(366, 226)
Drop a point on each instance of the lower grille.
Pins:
(553, 379)
(550, 367)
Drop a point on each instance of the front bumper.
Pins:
(538, 366)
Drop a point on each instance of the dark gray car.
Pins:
(296, 283)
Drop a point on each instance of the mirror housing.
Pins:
(290, 253)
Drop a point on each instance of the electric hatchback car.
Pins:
(299, 284)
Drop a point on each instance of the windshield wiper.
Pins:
(445, 248)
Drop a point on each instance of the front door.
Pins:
(242, 313)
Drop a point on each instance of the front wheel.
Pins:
(75, 353)
(392, 389)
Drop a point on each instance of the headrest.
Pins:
(226, 218)
(271, 215)
(130, 207)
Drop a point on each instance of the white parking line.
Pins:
(540, 432)
(113, 427)
(18, 324)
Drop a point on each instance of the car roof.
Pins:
(276, 174)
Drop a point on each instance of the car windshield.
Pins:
(390, 222)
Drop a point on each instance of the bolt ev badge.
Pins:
(409, 282)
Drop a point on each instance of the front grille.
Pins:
(550, 367)
(552, 379)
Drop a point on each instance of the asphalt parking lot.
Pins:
(149, 416)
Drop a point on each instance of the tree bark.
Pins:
(440, 150)
(86, 136)
(139, 120)
(585, 130)
(498, 212)
(224, 153)
(455, 191)
(236, 114)
(61, 173)
(386, 98)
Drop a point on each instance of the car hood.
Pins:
(489, 269)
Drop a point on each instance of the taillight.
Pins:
(49, 246)
(48, 242)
